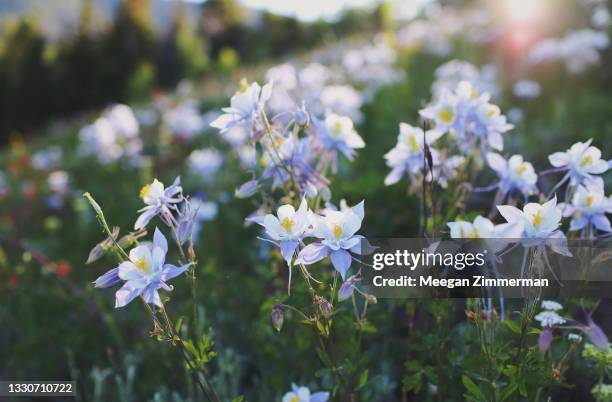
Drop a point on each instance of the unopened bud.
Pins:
(371, 299)
(325, 307)
(277, 316)
(470, 315)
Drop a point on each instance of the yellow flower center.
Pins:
(337, 129)
(145, 190)
(244, 86)
(537, 219)
(414, 146)
(587, 160)
(446, 116)
(294, 399)
(588, 200)
(287, 224)
(521, 169)
(337, 231)
(491, 113)
(143, 265)
(473, 234)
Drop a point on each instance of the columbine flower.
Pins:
(483, 228)
(336, 229)
(144, 273)
(245, 107)
(540, 223)
(346, 290)
(589, 207)
(407, 156)
(185, 121)
(160, 201)
(581, 161)
(337, 134)
(551, 305)
(576, 338)
(302, 394)
(287, 227)
(444, 112)
(514, 174)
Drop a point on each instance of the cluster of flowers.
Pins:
(113, 136)
(549, 318)
(296, 145)
(144, 271)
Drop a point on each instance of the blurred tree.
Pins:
(182, 52)
(23, 77)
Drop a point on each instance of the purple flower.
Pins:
(160, 201)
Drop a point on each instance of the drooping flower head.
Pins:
(143, 274)
(159, 201)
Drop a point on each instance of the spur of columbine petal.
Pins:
(336, 231)
(302, 394)
(159, 201)
(588, 207)
(581, 161)
(540, 222)
(287, 228)
(143, 274)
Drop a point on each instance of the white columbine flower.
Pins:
(245, 107)
(159, 201)
(483, 228)
(407, 155)
(540, 222)
(551, 305)
(337, 134)
(514, 174)
(581, 161)
(287, 228)
(302, 394)
(589, 207)
(336, 231)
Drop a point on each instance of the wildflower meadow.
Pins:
(212, 236)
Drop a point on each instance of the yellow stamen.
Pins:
(143, 265)
(587, 160)
(446, 116)
(287, 224)
(521, 169)
(588, 200)
(473, 234)
(337, 231)
(537, 219)
(144, 191)
(244, 86)
(414, 146)
(294, 399)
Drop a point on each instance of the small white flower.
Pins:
(302, 394)
(574, 338)
(483, 228)
(514, 174)
(337, 133)
(589, 206)
(549, 319)
(551, 305)
(205, 162)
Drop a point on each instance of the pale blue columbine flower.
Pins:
(515, 174)
(245, 108)
(195, 212)
(589, 207)
(483, 228)
(205, 163)
(302, 394)
(184, 121)
(408, 154)
(160, 201)
(336, 229)
(287, 228)
(547, 319)
(540, 222)
(144, 273)
(337, 134)
(581, 161)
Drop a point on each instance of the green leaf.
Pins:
(363, 378)
(179, 324)
(471, 387)
(508, 392)
(513, 326)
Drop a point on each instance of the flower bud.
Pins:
(301, 117)
(247, 189)
(470, 315)
(277, 316)
(371, 299)
(325, 306)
